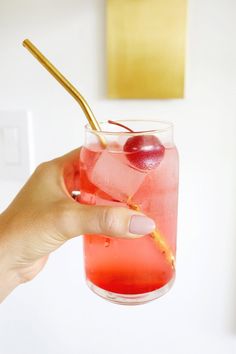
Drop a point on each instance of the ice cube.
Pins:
(114, 176)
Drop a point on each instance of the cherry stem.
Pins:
(120, 125)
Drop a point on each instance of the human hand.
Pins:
(44, 215)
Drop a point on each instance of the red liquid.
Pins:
(130, 266)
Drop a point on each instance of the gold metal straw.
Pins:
(158, 238)
(64, 82)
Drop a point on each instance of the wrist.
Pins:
(9, 278)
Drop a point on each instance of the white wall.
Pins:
(56, 313)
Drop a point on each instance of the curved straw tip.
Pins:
(25, 42)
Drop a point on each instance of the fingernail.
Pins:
(141, 225)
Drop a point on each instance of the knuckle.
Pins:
(61, 212)
(61, 219)
(108, 221)
(40, 169)
(46, 170)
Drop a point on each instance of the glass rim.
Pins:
(167, 126)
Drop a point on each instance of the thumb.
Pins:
(106, 220)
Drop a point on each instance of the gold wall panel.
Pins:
(146, 48)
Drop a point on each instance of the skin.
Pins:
(43, 216)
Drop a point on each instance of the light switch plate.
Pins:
(16, 145)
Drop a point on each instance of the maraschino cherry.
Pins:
(144, 152)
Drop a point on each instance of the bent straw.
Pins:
(64, 82)
(165, 249)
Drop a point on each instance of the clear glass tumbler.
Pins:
(137, 169)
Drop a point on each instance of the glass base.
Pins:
(130, 299)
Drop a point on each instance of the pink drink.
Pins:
(121, 270)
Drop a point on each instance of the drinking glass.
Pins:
(135, 169)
